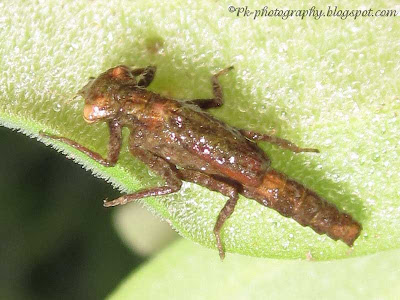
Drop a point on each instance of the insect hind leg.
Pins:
(224, 188)
(285, 144)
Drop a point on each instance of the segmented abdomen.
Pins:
(291, 199)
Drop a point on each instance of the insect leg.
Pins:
(275, 140)
(167, 171)
(114, 145)
(147, 75)
(218, 186)
(218, 100)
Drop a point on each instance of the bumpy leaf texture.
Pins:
(330, 83)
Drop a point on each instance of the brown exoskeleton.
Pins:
(179, 140)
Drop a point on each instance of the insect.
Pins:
(180, 140)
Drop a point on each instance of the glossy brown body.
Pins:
(192, 139)
(181, 141)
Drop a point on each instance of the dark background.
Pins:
(57, 241)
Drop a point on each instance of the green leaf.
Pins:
(328, 83)
(184, 271)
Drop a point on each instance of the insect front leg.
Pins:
(167, 171)
(218, 186)
(114, 145)
(147, 75)
(275, 140)
(218, 100)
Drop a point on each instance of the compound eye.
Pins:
(121, 72)
(95, 111)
